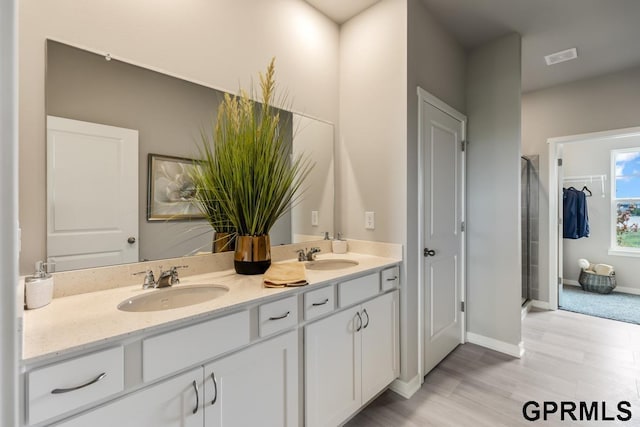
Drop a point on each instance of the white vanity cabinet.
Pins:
(257, 386)
(350, 356)
(170, 403)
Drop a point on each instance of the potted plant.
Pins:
(224, 232)
(250, 172)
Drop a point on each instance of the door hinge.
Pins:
(559, 162)
(559, 281)
(463, 226)
(463, 145)
(462, 306)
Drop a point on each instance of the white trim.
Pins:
(406, 389)
(570, 282)
(542, 305)
(526, 308)
(555, 149)
(624, 252)
(496, 345)
(424, 96)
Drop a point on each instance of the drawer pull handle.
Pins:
(317, 304)
(366, 324)
(67, 390)
(215, 388)
(280, 317)
(359, 322)
(392, 279)
(195, 387)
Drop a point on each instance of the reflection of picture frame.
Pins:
(170, 189)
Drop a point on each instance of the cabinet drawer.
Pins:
(319, 302)
(390, 278)
(277, 316)
(356, 290)
(170, 352)
(59, 388)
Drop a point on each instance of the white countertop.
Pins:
(81, 321)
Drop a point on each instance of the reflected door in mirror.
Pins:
(95, 165)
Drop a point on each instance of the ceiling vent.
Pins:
(565, 55)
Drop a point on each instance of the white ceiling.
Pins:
(341, 10)
(606, 33)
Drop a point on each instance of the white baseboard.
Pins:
(542, 305)
(406, 389)
(493, 344)
(621, 289)
(525, 310)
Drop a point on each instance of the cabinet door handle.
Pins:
(359, 322)
(392, 279)
(195, 387)
(317, 304)
(215, 388)
(78, 387)
(366, 324)
(280, 317)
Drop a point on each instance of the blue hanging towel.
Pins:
(575, 214)
(583, 215)
(569, 213)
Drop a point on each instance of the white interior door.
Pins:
(442, 175)
(92, 194)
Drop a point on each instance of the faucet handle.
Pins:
(149, 278)
(174, 273)
(301, 254)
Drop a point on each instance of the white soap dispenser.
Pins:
(339, 246)
(39, 287)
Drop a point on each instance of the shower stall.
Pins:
(529, 218)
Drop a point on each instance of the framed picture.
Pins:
(170, 189)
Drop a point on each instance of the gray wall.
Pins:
(591, 105)
(444, 78)
(385, 53)
(594, 158)
(493, 190)
(169, 115)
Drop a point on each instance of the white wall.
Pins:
(591, 105)
(219, 43)
(594, 158)
(372, 132)
(493, 191)
(9, 302)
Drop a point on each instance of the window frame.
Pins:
(614, 248)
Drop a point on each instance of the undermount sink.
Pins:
(330, 264)
(168, 298)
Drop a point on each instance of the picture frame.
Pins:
(170, 189)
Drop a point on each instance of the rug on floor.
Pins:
(616, 305)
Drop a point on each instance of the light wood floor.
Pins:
(568, 356)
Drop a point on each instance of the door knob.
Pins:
(429, 252)
(131, 240)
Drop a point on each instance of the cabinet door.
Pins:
(168, 404)
(255, 387)
(332, 369)
(380, 344)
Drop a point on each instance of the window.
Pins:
(625, 201)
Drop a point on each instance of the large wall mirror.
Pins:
(112, 129)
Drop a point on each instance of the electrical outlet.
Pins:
(314, 218)
(370, 220)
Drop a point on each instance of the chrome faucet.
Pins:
(167, 278)
(307, 255)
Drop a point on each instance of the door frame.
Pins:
(555, 214)
(424, 96)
